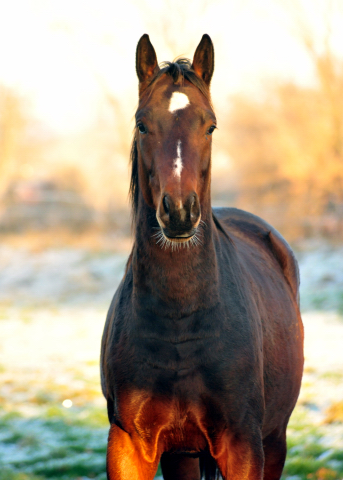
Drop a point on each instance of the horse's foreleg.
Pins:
(126, 459)
(241, 458)
(275, 450)
(180, 467)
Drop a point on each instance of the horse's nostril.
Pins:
(165, 204)
(195, 209)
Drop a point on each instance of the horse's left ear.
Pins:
(203, 61)
(146, 60)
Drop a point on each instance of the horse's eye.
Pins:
(211, 130)
(142, 128)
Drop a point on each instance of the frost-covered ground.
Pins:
(53, 421)
(321, 272)
(74, 276)
(58, 276)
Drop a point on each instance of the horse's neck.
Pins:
(182, 280)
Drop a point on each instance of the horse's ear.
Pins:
(146, 60)
(203, 61)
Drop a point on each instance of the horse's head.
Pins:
(174, 124)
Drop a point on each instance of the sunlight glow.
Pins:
(68, 56)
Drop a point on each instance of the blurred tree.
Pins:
(288, 150)
(12, 128)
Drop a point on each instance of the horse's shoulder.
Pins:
(120, 297)
(234, 220)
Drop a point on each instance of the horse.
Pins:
(202, 350)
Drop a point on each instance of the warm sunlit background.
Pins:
(68, 93)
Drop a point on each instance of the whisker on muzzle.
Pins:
(194, 241)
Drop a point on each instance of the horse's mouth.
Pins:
(166, 238)
(183, 237)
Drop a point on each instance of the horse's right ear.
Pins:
(146, 60)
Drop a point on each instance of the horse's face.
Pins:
(175, 122)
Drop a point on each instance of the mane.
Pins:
(179, 70)
(133, 192)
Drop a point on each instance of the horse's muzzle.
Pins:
(179, 220)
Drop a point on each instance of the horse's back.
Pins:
(247, 228)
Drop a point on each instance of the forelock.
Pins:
(180, 70)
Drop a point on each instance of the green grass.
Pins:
(9, 474)
(71, 444)
(311, 455)
(63, 446)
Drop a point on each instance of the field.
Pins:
(53, 416)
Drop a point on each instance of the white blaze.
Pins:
(178, 101)
(178, 160)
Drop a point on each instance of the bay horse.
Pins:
(202, 351)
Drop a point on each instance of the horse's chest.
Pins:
(201, 353)
(169, 386)
(176, 356)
